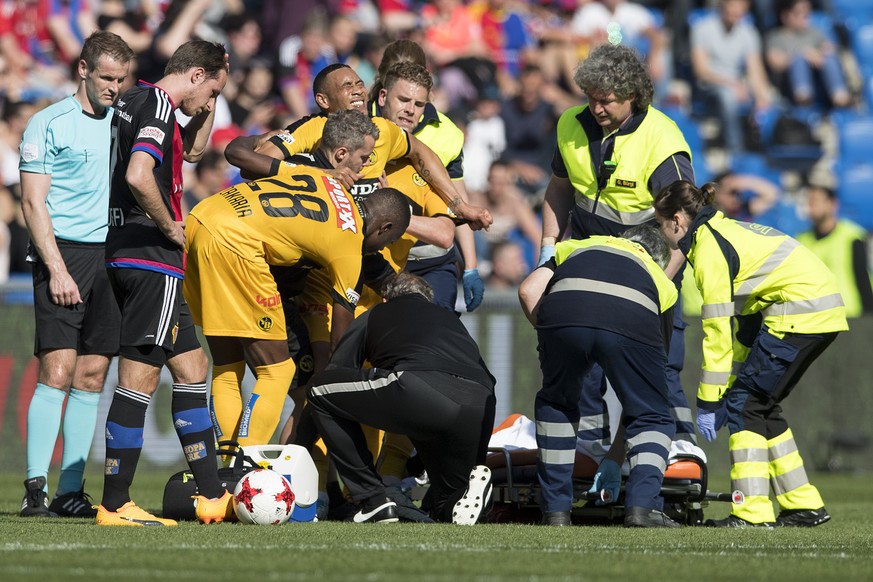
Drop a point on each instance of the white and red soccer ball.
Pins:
(263, 497)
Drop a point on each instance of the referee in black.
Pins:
(428, 382)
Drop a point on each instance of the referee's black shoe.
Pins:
(35, 502)
(378, 509)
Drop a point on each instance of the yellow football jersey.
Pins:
(422, 200)
(305, 135)
(300, 218)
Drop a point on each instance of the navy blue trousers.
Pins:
(637, 374)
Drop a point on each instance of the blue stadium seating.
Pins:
(861, 39)
(855, 191)
(855, 138)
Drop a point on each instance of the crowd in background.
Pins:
(503, 71)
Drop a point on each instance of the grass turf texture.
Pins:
(69, 549)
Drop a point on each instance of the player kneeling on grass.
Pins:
(604, 300)
(428, 382)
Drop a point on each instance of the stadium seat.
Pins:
(855, 139)
(691, 130)
(852, 12)
(755, 165)
(855, 195)
(861, 39)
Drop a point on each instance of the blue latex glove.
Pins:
(706, 424)
(546, 253)
(710, 421)
(474, 289)
(607, 478)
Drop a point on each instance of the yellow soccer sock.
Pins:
(226, 399)
(396, 451)
(264, 408)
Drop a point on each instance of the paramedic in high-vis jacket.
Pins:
(604, 300)
(770, 308)
(612, 156)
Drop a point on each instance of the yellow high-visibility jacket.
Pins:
(743, 269)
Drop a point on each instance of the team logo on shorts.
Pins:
(738, 498)
(306, 364)
(265, 323)
(175, 332)
(418, 180)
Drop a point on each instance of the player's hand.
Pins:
(175, 231)
(63, 289)
(477, 217)
(383, 180)
(474, 289)
(345, 176)
(607, 482)
(262, 140)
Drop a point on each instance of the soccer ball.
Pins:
(263, 497)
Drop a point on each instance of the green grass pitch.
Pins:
(57, 549)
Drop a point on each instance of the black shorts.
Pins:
(91, 327)
(150, 303)
(186, 339)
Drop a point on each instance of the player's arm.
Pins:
(431, 169)
(141, 179)
(433, 230)
(34, 192)
(464, 234)
(254, 155)
(196, 137)
(341, 318)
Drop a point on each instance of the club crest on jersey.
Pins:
(372, 160)
(418, 180)
(265, 323)
(152, 133)
(345, 216)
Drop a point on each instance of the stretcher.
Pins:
(515, 489)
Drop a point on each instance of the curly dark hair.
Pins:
(616, 69)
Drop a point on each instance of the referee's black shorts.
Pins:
(91, 327)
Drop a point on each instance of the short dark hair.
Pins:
(829, 192)
(198, 53)
(320, 82)
(104, 44)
